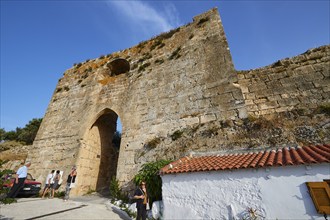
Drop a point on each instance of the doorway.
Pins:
(99, 153)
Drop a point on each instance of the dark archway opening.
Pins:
(103, 146)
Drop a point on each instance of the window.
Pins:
(320, 193)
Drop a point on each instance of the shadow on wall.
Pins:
(308, 202)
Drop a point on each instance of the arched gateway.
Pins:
(98, 153)
(176, 80)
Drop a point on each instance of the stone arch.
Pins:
(98, 157)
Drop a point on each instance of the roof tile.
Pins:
(306, 157)
(321, 151)
(318, 157)
(296, 157)
(254, 162)
(281, 157)
(271, 158)
(263, 160)
(287, 157)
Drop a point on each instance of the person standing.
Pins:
(56, 182)
(48, 183)
(20, 177)
(142, 199)
(70, 182)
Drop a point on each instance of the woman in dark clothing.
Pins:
(70, 181)
(142, 199)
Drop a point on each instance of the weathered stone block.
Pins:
(268, 105)
(288, 102)
(207, 118)
(257, 87)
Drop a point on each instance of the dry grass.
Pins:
(12, 150)
(9, 144)
(7, 155)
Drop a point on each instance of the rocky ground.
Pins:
(286, 129)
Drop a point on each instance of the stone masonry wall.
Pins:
(300, 82)
(181, 78)
(288, 104)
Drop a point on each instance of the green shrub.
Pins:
(114, 188)
(141, 44)
(168, 34)
(143, 67)
(155, 44)
(7, 200)
(4, 191)
(175, 54)
(153, 143)
(146, 56)
(149, 173)
(161, 45)
(324, 109)
(176, 135)
(59, 194)
(116, 192)
(159, 61)
(77, 65)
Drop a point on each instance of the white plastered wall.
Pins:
(275, 193)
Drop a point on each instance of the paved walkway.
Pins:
(85, 207)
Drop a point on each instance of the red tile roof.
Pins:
(281, 157)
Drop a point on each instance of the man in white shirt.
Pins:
(20, 177)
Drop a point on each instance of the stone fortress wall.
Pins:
(299, 82)
(174, 93)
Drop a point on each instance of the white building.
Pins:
(268, 185)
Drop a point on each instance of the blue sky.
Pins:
(40, 40)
